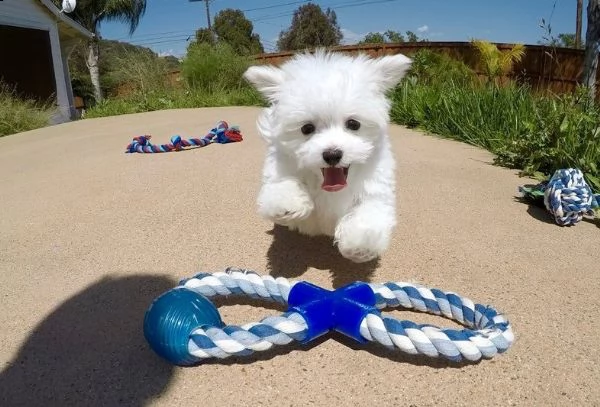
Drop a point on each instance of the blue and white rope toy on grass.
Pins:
(566, 196)
(184, 327)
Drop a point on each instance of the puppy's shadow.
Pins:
(90, 351)
(292, 253)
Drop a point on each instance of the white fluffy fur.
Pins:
(327, 89)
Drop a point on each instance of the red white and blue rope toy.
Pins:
(567, 196)
(184, 326)
(221, 134)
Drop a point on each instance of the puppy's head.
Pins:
(328, 111)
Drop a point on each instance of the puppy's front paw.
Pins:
(358, 255)
(284, 202)
(360, 240)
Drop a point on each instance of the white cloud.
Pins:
(270, 45)
(350, 37)
(171, 52)
(423, 29)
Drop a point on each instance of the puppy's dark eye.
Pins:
(307, 129)
(352, 124)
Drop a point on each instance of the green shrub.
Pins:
(537, 134)
(214, 68)
(17, 115)
(431, 67)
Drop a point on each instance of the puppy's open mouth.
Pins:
(334, 178)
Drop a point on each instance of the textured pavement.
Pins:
(89, 236)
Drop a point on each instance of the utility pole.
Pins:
(206, 3)
(578, 26)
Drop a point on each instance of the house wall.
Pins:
(31, 14)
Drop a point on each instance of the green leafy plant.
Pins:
(214, 68)
(497, 63)
(431, 67)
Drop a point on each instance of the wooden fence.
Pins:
(545, 68)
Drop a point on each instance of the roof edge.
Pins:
(66, 19)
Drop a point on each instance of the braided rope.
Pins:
(487, 333)
(222, 134)
(567, 196)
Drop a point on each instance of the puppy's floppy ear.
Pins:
(389, 70)
(266, 79)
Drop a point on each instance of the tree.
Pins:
(592, 47)
(412, 37)
(205, 36)
(389, 37)
(90, 14)
(562, 40)
(567, 40)
(373, 38)
(311, 27)
(232, 27)
(394, 36)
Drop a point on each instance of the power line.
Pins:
(142, 37)
(257, 19)
(333, 7)
(180, 37)
(276, 5)
(164, 42)
(185, 35)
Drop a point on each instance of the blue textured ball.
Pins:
(171, 319)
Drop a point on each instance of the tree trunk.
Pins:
(592, 47)
(93, 67)
(578, 25)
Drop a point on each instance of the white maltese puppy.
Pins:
(329, 167)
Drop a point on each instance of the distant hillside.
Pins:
(113, 56)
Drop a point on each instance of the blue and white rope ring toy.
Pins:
(185, 328)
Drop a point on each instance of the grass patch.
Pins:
(17, 114)
(140, 102)
(536, 134)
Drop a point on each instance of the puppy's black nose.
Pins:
(332, 157)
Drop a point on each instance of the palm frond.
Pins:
(91, 13)
(511, 57)
(127, 11)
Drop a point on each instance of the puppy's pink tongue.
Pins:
(334, 179)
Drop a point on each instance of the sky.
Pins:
(168, 25)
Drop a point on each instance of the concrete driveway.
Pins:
(89, 236)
